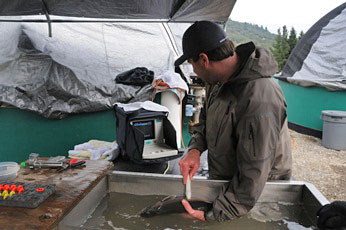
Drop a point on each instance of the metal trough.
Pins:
(290, 192)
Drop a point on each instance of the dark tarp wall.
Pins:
(74, 70)
(319, 59)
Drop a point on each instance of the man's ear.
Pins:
(204, 59)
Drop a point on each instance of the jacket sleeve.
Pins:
(257, 137)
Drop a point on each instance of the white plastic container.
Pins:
(8, 171)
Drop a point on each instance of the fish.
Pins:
(172, 204)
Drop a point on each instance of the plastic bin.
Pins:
(334, 129)
(8, 171)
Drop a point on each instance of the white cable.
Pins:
(166, 168)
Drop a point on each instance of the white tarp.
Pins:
(74, 71)
(319, 59)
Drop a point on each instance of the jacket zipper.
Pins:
(252, 139)
(227, 111)
(223, 117)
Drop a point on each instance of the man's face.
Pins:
(201, 70)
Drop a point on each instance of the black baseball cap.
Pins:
(200, 37)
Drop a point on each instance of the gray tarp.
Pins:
(319, 59)
(74, 70)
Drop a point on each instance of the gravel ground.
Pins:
(322, 167)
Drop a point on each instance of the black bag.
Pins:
(131, 139)
(139, 76)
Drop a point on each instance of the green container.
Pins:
(24, 132)
(305, 104)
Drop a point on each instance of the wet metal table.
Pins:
(72, 186)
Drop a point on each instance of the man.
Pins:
(243, 123)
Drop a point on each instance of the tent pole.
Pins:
(45, 9)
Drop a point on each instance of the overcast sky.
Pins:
(273, 14)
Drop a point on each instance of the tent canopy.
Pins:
(169, 10)
(319, 59)
(74, 70)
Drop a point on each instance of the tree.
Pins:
(292, 39)
(284, 33)
(301, 35)
(281, 48)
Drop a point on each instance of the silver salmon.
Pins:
(172, 204)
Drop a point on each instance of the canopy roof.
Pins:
(168, 10)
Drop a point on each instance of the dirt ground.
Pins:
(322, 167)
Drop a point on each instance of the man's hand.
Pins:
(194, 213)
(190, 164)
(332, 216)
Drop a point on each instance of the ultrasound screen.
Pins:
(147, 128)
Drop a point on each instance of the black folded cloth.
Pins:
(139, 76)
(332, 216)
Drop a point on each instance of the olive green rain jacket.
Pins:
(244, 127)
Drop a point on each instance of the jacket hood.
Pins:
(255, 62)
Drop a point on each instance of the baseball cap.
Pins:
(200, 37)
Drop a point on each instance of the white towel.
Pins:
(95, 150)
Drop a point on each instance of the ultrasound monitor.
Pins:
(154, 143)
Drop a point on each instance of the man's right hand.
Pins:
(190, 164)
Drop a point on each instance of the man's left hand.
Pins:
(194, 213)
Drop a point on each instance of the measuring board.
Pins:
(29, 198)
